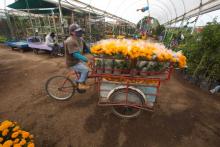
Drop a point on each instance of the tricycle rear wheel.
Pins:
(125, 111)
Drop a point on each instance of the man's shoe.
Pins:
(83, 86)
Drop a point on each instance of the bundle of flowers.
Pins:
(12, 136)
(138, 49)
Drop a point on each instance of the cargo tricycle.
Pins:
(126, 85)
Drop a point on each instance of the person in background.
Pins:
(215, 90)
(74, 59)
(50, 41)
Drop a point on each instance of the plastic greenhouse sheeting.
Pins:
(163, 10)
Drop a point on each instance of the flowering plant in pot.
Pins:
(11, 135)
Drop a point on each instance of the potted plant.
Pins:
(99, 65)
(118, 67)
(108, 65)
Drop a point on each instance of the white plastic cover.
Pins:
(163, 10)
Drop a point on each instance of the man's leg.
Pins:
(83, 70)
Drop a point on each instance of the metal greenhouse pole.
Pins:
(90, 29)
(61, 16)
(29, 15)
(54, 22)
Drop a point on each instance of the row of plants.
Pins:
(3, 39)
(202, 50)
(129, 67)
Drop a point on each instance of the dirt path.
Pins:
(185, 117)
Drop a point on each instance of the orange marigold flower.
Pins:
(15, 134)
(5, 125)
(25, 134)
(17, 145)
(5, 132)
(16, 128)
(16, 140)
(8, 143)
(31, 144)
(22, 142)
(1, 139)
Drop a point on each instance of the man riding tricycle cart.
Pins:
(127, 75)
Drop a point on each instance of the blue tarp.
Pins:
(17, 44)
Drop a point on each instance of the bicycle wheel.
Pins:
(60, 87)
(119, 96)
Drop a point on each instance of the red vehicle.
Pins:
(126, 90)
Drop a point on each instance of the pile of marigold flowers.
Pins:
(138, 49)
(11, 135)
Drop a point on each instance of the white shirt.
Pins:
(49, 40)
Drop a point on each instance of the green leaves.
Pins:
(203, 51)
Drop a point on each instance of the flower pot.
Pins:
(117, 67)
(142, 71)
(99, 65)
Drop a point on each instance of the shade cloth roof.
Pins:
(36, 6)
(40, 7)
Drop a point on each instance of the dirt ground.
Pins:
(185, 116)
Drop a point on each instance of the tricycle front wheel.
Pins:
(60, 87)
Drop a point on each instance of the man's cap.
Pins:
(74, 28)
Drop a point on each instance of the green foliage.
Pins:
(203, 52)
(3, 39)
(159, 30)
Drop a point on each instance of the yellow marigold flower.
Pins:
(25, 134)
(16, 128)
(15, 134)
(16, 140)
(19, 131)
(17, 145)
(31, 144)
(8, 143)
(5, 125)
(22, 142)
(1, 139)
(5, 132)
(8, 123)
(1, 145)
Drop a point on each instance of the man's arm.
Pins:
(73, 49)
(77, 55)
